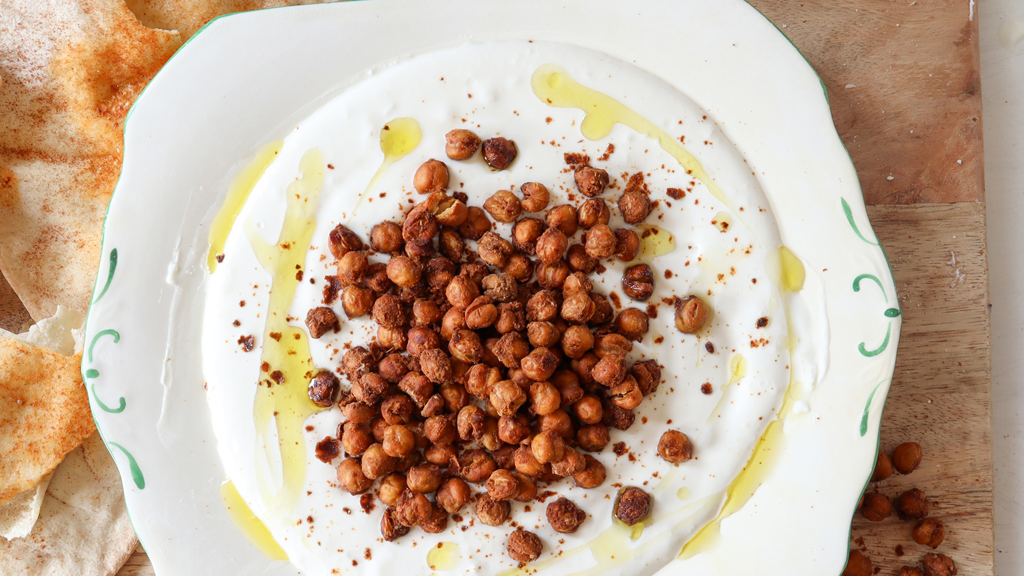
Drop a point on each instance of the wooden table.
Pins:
(903, 79)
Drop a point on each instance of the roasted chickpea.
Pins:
(481, 313)
(388, 311)
(601, 241)
(494, 249)
(938, 565)
(912, 505)
(929, 532)
(393, 368)
(634, 205)
(476, 466)
(577, 307)
(876, 507)
(436, 365)
(391, 338)
(524, 547)
(626, 394)
(453, 494)
(647, 375)
(507, 397)
(691, 314)
(579, 260)
(499, 152)
(386, 237)
(351, 477)
(526, 463)
(377, 278)
(675, 447)
(341, 240)
(535, 196)
(512, 430)
(883, 467)
(519, 266)
(426, 313)
(547, 447)
(489, 440)
(322, 388)
(552, 276)
(480, 378)
(603, 312)
(551, 245)
(564, 516)
(576, 341)
(412, 508)
(420, 226)
(638, 282)
(542, 334)
(430, 176)
(436, 523)
(356, 438)
(377, 427)
(591, 181)
(433, 407)
(540, 364)
(398, 441)
(633, 505)
(453, 321)
(470, 422)
(906, 457)
(450, 244)
(610, 370)
(425, 478)
(476, 224)
(544, 398)
(857, 565)
(563, 218)
(391, 488)
(627, 245)
(525, 234)
(584, 368)
(461, 292)
(589, 409)
(570, 464)
(397, 409)
(404, 271)
(558, 422)
(511, 317)
(441, 454)
(593, 212)
(500, 287)
(543, 306)
(593, 438)
(419, 251)
(455, 396)
(592, 475)
(417, 386)
(466, 346)
(492, 512)
(503, 206)
(352, 267)
(461, 144)
(502, 485)
(439, 430)
(390, 528)
(369, 389)
(376, 463)
(447, 210)
(632, 323)
(617, 417)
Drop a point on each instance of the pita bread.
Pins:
(83, 527)
(69, 71)
(188, 16)
(44, 413)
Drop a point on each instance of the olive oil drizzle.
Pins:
(553, 85)
(791, 275)
(248, 524)
(238, 193)
(445, 556)
(398, 138)
(282, 403)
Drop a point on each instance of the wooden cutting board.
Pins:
(904, 82)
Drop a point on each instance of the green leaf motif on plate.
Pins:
(849, 218)
(112, 266)
(114, 333)
(885, 344)
(867, 410)
(121, 403)
(133, 466)
(872, 277)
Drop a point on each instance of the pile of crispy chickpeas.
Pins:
(495, 364)
(911, 505)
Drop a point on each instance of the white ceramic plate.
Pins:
(246, 79)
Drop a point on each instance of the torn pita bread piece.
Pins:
(70, 70)
(83, 527)
(44, 413)
(188, 16)
(60, 333)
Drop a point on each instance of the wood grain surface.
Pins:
(904, 84)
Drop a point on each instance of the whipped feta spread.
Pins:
(726, 251)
